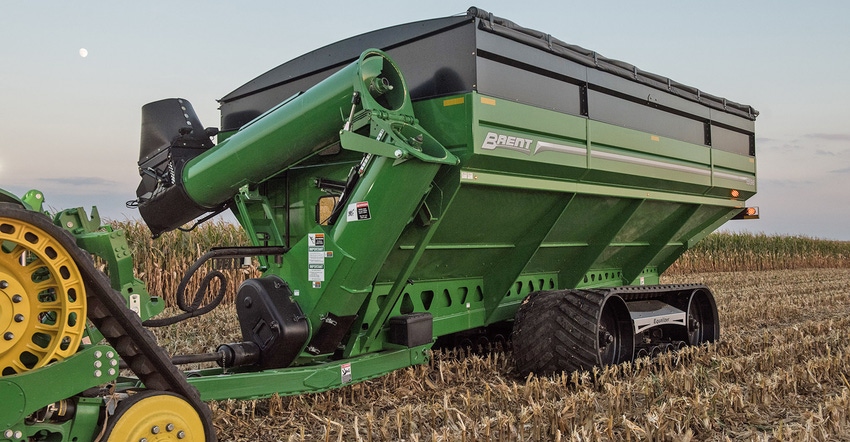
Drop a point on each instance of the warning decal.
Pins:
(316, 240)
(358, 212)
(316, 258)
(345, 373)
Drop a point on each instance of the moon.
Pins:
(84, 53)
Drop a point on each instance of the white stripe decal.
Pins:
(651, 163)
(729, 176)
(543, 146)
(518, 144)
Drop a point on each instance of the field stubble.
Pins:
(780, 372)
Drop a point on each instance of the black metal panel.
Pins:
(331, 331)
(169, 209)
(512, 70)
(730, 141)
(170, 122)
(441, 64)
(644, 117)
(596, 62)
(642, 93)
(734, 121)
(436, 57)
(532, 58)
(236, 113)
(516, 84)
(497, 57)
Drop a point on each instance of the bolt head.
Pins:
(181, 434)
(17, 298)
(3, 285)
(155, 429)
(169, 427)
(19, 318)
(8, 336)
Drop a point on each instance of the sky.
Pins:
(70, 124)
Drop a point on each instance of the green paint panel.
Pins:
(536, 193)
(216, 385)
(26, 392)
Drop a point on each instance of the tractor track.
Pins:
(122, 328)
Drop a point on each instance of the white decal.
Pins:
(345, 373)
(316, 258)
(494, 140)
(316, 239)
(358, 212)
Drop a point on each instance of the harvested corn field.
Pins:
(779, 373)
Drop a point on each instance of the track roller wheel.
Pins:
(42, 293)
(702, 322)
(154, 416)
(568, 330)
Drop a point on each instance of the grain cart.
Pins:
(469, 180)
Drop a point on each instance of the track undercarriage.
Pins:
(567, 330)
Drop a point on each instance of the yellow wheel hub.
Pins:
(42, 296)
(155, 416)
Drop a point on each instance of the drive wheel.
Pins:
(42, 294)
(154, 416)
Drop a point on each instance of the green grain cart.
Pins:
(468, 181)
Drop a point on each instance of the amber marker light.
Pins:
(747, 213)
(735, 193)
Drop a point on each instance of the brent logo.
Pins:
(527, 146)
(493, 141)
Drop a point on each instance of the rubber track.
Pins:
(642, 292)
(108, 311)
(557, 330)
